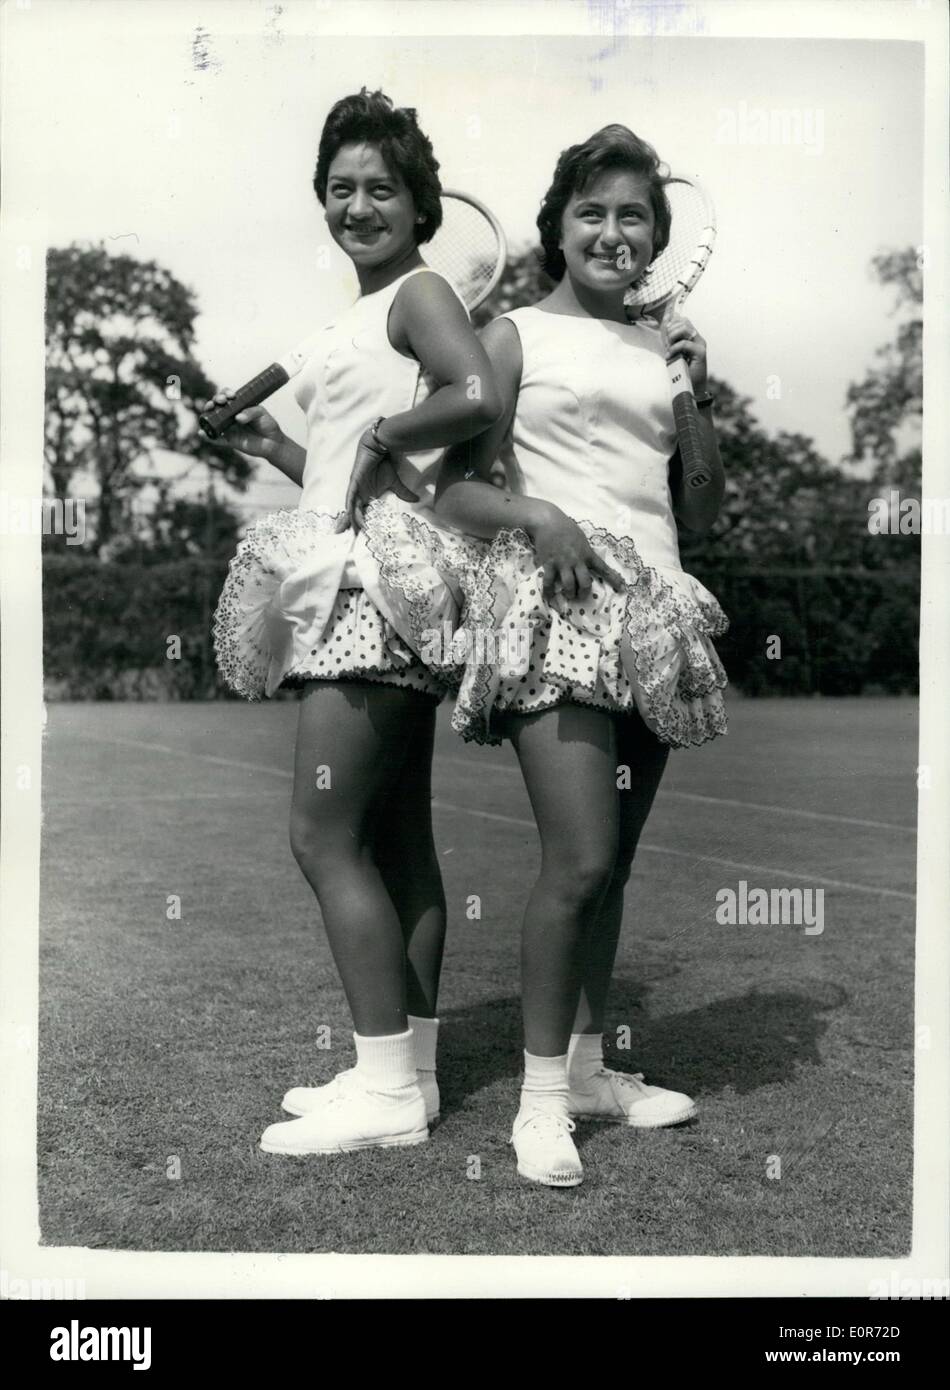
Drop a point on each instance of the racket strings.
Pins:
(690, 245)
(466, 250)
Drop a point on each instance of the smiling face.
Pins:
(369, 209)
(607, 231)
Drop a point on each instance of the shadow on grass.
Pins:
(740, 1044)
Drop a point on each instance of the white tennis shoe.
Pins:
(544, 1148)
(300, 1100)
(618, 1098)
(352, 1118)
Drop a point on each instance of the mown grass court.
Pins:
(166, 1044)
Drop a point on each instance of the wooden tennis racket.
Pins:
(661, 293)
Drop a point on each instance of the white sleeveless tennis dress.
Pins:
(593, 433)
(301, 602)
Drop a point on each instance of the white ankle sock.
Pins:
(545, 1082)
(585, 1056)
(386, 1063)
(425, 1037)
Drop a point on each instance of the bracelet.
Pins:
(374, 431)
(704, 401)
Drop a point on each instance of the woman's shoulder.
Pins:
(502, 343)
(536, 331)
(521, 312)
(526, 315)
(428, 285)
(516, 325)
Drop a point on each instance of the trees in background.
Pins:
(790, 556)
(122, 386)
(886, 406)
(522, 282)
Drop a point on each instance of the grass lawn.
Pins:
(167, 1044)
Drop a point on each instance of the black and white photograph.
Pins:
(475, 514)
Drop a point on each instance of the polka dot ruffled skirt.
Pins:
(287, 614)
(359, 644)
(644, 649)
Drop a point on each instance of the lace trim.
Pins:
(388, 531)
(238, 629)
(472, 714)
(650, 603)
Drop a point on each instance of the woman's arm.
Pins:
(469, 502)
(465, 496)
(427, 321)
(257, 433)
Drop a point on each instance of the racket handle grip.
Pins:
(215, 422)
(688, 429)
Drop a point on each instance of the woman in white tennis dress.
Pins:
(302, 607)
(588, 645)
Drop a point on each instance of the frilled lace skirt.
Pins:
(646, 648)
(301, 602)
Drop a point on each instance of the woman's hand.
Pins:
(679, 337)
(373, 474)
(254, 431)
(566, 556)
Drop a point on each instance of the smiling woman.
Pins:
(628, 195)
(381, 192)
(302, 608)
(618, 665)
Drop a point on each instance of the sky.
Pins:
(187, 133)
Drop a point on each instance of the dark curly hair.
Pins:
(614, 147)
(371, 117)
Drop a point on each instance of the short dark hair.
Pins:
(370, 117)
(614, 147)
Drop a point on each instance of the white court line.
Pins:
(187, 753)
(793, 811)
(513, 820)
(700, 858)
(727, 801)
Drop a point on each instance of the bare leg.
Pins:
(568, 757)
(405, 853)
(359, 733)
(646, 758)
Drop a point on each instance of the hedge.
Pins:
(107, 629)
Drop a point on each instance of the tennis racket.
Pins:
(469, 249)
(660, 294)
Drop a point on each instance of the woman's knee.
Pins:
(318, 840)
(583, 876)
(303, 836)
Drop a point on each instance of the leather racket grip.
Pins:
(688, 429)
(215, 422)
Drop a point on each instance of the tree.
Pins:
(183, 527)
(784, 503)
(122, 382)
(522, 282)
(887, 405)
